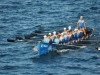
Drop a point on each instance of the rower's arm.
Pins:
(43, 40)
(77, 24)
(84, 24)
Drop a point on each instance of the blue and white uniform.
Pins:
(65, 31)
(61, 39)
(75, 36)
(81, 24)
(46, 40)
(50, 41)
(80, 34)
(66, 39)
(56, 41)
(70, 37)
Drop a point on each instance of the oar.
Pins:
(91, 40)
(16, 39)
(25, 37)
(76, 44)
(11, 40)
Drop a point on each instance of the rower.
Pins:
(66, 38)
(46, 39)
(61, 38)
(69, 28)
(80, 33)
(50, 38)
(70, 36)
(81, 24)
(59, 33)
(56, 40)
(65, 31)
(75, 35)
(54, 34)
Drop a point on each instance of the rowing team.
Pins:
(67, 36)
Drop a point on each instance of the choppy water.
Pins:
(21, 17)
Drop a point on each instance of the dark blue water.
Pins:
(21, 17)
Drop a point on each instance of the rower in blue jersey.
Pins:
(54, 35)
(56, 40)
(69, 28)
(66, 38)
(65, 31)
(75, 35)
(70, 36)
(50, 38)
(80, 34)
(81, 25)
(46, 39)
(61, 38)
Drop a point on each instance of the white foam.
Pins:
(35, 49)
(63, 50)
(83, 46)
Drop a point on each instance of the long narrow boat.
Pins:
(44, 48)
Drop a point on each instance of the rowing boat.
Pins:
(44, 48)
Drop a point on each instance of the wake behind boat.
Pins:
(44, 48)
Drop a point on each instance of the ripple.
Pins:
(8, 67)
(4, 55)
(95, 57)
(8, 7)
(93, 8)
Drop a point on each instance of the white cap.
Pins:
(64, 28)
(49, 33)
(54, 32)
(81, 16)
(45, 36)
(61, 33)
(69, 28)
(75, 29)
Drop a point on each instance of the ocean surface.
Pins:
(19, 18)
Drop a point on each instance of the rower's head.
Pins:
(81, 17)
(45, 36)
(49, 34)
(76, 30)
(54, 32)
(62, 34)
(64, 29)
(69, 27)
